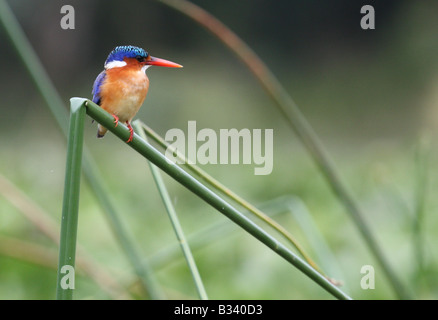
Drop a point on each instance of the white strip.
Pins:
(143, 69)
(115, 64)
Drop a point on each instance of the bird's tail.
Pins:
(101, 131)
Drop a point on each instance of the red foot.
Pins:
(131, 131)
(116, 120)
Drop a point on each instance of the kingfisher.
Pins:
(122, 86)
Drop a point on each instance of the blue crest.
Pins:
(121, 52)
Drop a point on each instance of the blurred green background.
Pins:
(371, 96)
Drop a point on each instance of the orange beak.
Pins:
(162, 63)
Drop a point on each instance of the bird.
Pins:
(121, 88)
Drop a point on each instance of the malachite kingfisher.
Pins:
(121, 88)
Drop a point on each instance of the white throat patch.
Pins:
(115, 64)
(143, 69)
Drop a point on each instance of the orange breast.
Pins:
(124, 91)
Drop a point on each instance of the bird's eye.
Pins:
(140, 58)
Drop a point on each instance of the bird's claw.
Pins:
(131, 131)
(116, 120)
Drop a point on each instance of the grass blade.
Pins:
(175, 222)
(70, 208)
(422, 165)
(198, 240)
(301, 215)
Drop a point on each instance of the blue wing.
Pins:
(97, 87)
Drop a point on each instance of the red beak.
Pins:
(162, 63)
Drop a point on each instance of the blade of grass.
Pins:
(175, 222)
(36, 70)
(30, 210)
(299, 124)
(298, 209)
(141, 267)
(198, 240)
(55, 104)
(70, 207)
(29, 252)
(421, 169)
(173, 170)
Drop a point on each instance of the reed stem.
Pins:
(175, 222)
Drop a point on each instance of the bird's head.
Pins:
(137, 57)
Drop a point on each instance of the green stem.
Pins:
(141, 268)
(70, 208)
(33, 65)
(199, 239)
(422, 165)
(175, 222)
